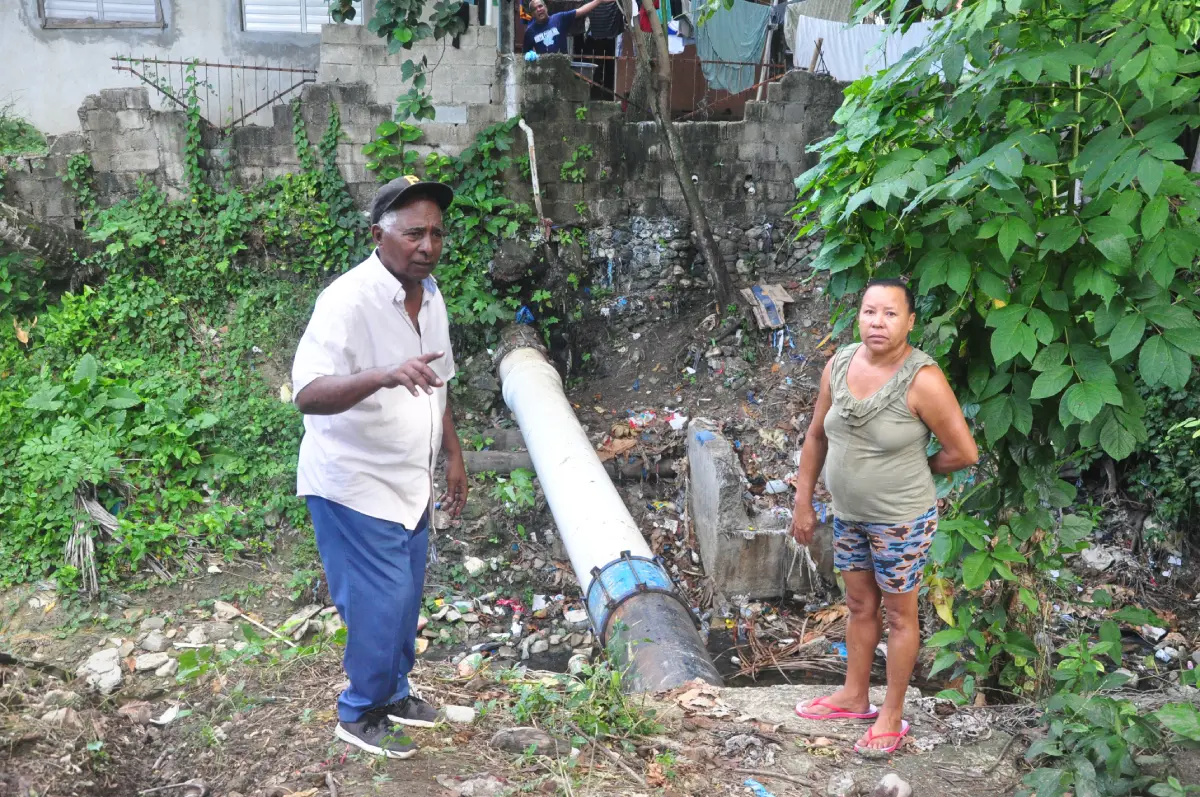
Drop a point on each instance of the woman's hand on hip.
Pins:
(804, 522)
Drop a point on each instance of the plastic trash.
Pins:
(470, 665)
(756, 787)
(677, 421)
(776, 486)
(705, 436)
(531, 56)
(840, 649)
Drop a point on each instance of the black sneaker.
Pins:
(373, 734)
(412, 711)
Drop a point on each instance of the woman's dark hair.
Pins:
(893, 282)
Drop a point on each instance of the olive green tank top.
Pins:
(876, 469)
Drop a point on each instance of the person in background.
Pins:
(879, 402)
(548, 32)
(370, 377)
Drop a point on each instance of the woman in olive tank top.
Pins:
(880, 401)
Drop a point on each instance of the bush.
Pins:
(1166, 474)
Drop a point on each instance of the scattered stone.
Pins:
(1196, 658)
(841, 784)
(172, 633)
(59, 698)
(477, 786)
(102, 670)
(538, 563)
(62, 717)
(474, 566)
(213, 570)
(507, 652)
(453, 616)
(218, 630)
(517, 740)
(224, 611)
(575, 640)
(1173, 640)
(155, 642)
(539, 646)
(196, 636)
(555, 639)
(125, 648)
(892, 785)
(153, 624)
(168, 670)
(150, 661)
(470, 617)
(460, 715)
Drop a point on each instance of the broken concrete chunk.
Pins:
(150, 661)
(474, 565)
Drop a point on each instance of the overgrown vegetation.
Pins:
(148, 415)
(1032, 190)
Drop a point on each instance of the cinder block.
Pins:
(103, 120)
(136, 160)
(344, 73)
(345, 34)
(113, 99)
(471, 94)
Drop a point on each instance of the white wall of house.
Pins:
(46, 73)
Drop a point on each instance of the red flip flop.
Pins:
(871, 736)
(835, 712)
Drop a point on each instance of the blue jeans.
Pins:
(376, 573)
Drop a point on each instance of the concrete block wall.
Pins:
(128, 141)
(743, 170)
(466, 85)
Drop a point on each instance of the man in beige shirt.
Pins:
(370, 376)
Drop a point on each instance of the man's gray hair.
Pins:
(389, 219)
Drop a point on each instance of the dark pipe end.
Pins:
(652, 636)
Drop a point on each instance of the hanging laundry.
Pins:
(606, 21)
(835, 10)
(733, 34)
(854, 51)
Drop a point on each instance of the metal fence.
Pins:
(692, 96)
(229, 94)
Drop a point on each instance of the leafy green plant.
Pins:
(1032, 193)
(389, 157)
(17, 135)
(517, 492)
(593, 703)
(574, 168)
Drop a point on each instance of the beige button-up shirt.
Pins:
(378, 456)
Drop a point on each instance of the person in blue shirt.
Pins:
(548, 32)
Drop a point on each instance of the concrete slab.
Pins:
(743, 555)
(927, 760)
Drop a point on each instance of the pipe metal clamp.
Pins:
(622, 579)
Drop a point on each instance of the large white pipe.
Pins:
(635, 610)
(593, 522)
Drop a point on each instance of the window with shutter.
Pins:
(290, 16)
(82, 13)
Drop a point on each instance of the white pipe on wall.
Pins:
(593, 522)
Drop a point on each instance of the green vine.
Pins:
(193, 146)
(78, 178)
(389, 156)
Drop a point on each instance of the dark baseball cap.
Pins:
(408, 185)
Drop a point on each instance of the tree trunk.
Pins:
(60, 249)
(722, 284)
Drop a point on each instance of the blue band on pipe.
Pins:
(620, 580)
